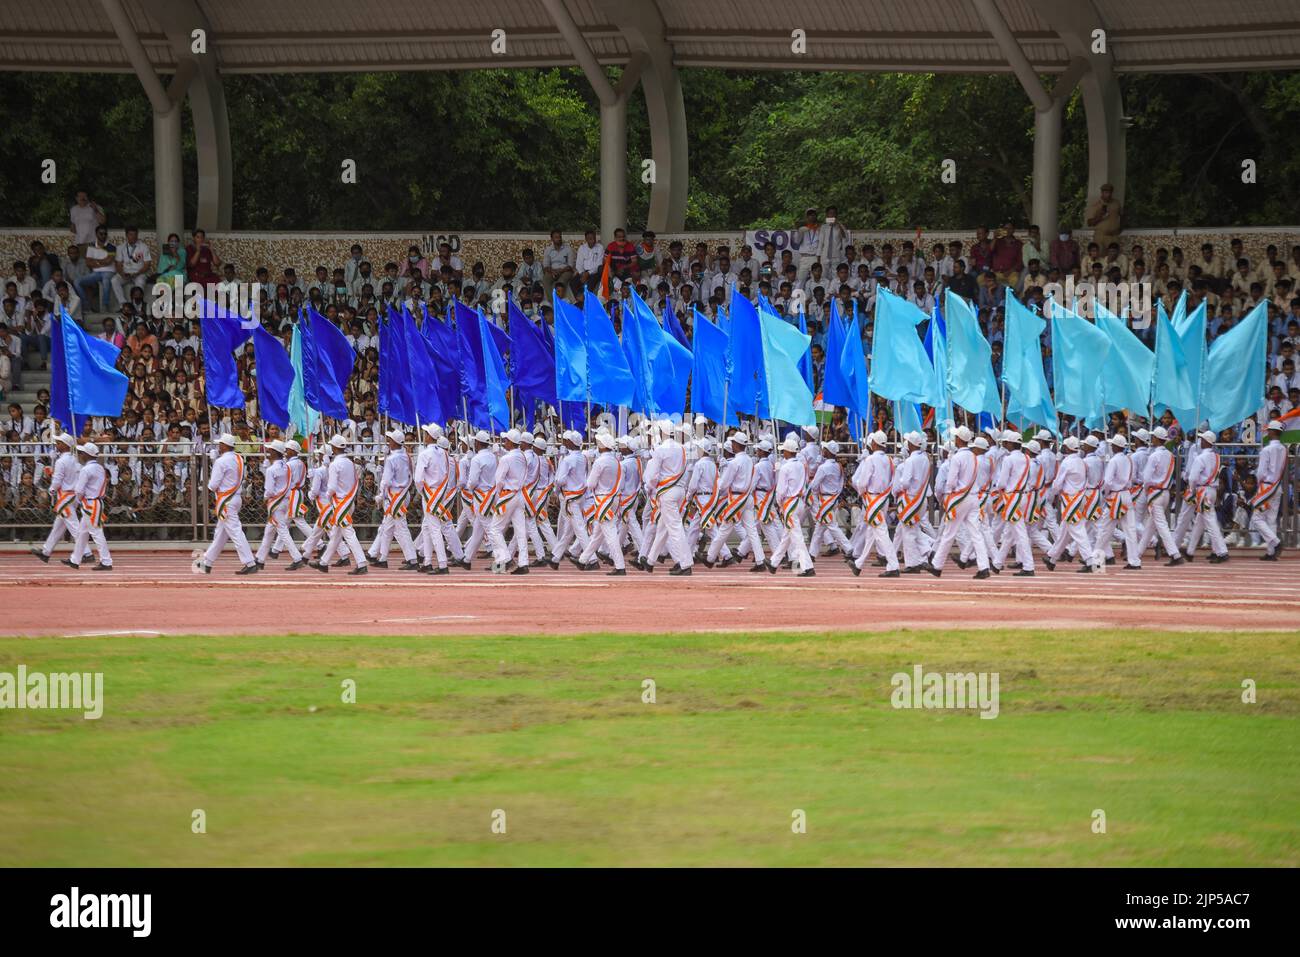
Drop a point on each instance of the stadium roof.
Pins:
(266, 36)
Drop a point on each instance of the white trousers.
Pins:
(573, 530)
(1207, 522)
(514, 517)
(71, 525)
(966, 518)
(344, 536)
(793, 544)
(1263, 520)
(393, 527)
(668, 530)
(877, 537)
(277, 532)
(229, 529)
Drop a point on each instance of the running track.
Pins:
(156, 593)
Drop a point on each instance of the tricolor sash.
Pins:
(273, 504)
(605, 504)
(790, 511)
(666, 483)
(223, 496)
(764, 500)
(910, 509)
(397, 503)
(63, 503)
(1266, 491)
(1015, 500)
(875, 507)
(1117, 504)
(1205, 494)
(343, 506)
(952, 499)
(437, 503)
(1072, 511)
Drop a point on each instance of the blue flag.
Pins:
(970, 359)
(222, 333)
(745, 339)
(852, 363)
(1079, 353)
(495, 379)
(660, 365)
(275, 375)
(395, 397)
(1029, 398)
(334, 359)
(609, 379)
(672, 326)
(1127, 374)
(85, 380)
(709, 373)
(570, 352)
(444, 348)
(534, 364)
(1237, 364)
(789, 396)
(303, 417)
(422, 369)
(473, 375)
(835, 387)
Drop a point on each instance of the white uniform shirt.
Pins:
(92, 481)
(791, 480)
(1119, 473)
(396, 476)
(64, 478)
(1071, 475)
(482, 471)
(828, 479)
(874, 474)
(342, 476)
(604, 473)
(225, 473)
(1272, 461)
(1159, 468)
(277, 479)
(511, 471)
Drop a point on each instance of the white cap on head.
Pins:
(293, 445)
(432, 430)
(764, 445)
(701, 420)
(1012, 436)
(1142, 435)
(65, 438)
(339, 442)
(396, 435)
(525, 438)
(605, 440)
(812, 431)
(1160, 433)
(704, 443)
(791, 443)
(1274, 426)
(276, 446)
(1071, 442)
(625, 441)
(993, 433)
(915, 438)
(1091, 441)
(89, 448)
(511, 435)
(1119, 441)
(1033, 447)
(740, 438)
(878, 438)
(226, 439)
(1206, 436)
(539, 444)
(981, 443)
(831, 448)
(963, 433)
(1044, 436)
(482, 437)
(444, 442)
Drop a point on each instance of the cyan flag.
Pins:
(570, 352)
(1126, 377)
(609, 378)
(937, 350)
(1172, 383)
(302, 417)
(334, 361)
(747, 393)
(85, 380)
(222, 333)
(900, 369)
(970, 359)
(852, 363)
(1237, 364)
(709, 377)
(1191, 336)
(1029, 399)
(789, 397)
(1079, 353)
(672, 326)
(275, 375)
(907, 417)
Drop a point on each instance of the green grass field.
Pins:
(1150, 728)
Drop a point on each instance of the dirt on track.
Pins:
(156, 592)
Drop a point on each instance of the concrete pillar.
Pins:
(666, 111)
(613, 167)
(168, 181)
(1046, 201)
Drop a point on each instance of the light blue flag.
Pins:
(900, 369)
(709, 375)
(303, 419)
(970, 359)
(608, 376)
(1126, 377)
(788, 395)
(87, 381)
(1172, 381)
(1079, 353)
(1191, 336)
(907, 417)
(852, 363)
(1029, 399)
(1236, 364)
(938, 351)
(647, 356)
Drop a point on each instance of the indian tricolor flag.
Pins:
(1291, 427)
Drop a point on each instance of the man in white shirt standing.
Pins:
(226, 483)
(791, 486)
(394, 493)
(557, 262)
(874, 479)
(604, 481)
(961, 506)
(1203, 480)
(92, 483)
(343, 484)
(275, 494)
(85, 215)
(508, 508)
(1268, 498)
(666, 489)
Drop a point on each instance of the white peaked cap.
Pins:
(539, 444)
(65, 438)
(1274, 424)
(397, 435)
(812, 430)
(526, 438)
(1160, 432)
(1142, 435)
(606, 441)
(992, 431)
(739, 438)
(832, 447)
(1091, 440)
(791, 443)
(444, 442)
(511, 436)
(1033, 446)
(482, 437)
(226, 439)
(1011, 435)
(1044, 436)
(293, 445)
(701, 420)
(277, 446)
(963, 433)
(764, 445)
(1206, 436)
(915, 438)
(432, 430)
(878, 437)
(1119, 441)
(90, 448)
(625, 441)
(1071, 442)
(339, 442)
(981, 443)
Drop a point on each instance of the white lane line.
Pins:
(112, 634)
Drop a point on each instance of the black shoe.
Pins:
(853, 567)
(963, 565)
(379, 563)
(605, 560)
(936, 572)
(321, 567)
(463, 563)
(1051, 565)
(1110, 560)
(342, 563)
(995, 569)
(41, 555)
(440, 570)
(207, 569)
(758, 567)
(1175, 561)
(360, 570)
(1016, 565)
(890, 573)
(1130, 567)
(1218, 559)
(101, 567)
(409, 567)
(771, 568)
(1024, 573)
(1268, 557)
(252, 569)
(521, 570)
(260, 564)
(1189, 557)
(1085, 569)
(913, 570)
(617, 571)
(982, 573)
(727, 563)
(294, 566)
(810, 573)
(705, 562)
(678, 570)
(69, 562)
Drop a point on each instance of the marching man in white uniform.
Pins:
(911, 484)
(791, 487)
(1267, 498)
(663, 483)
(824, 496)
(874, 480)
(1157, 479)
(316, 492)
(961, 506)
(435, 477)
(571, 480)
(736, 489)
(1117, 508)
(63, 497)
(508, 508)
(1014, 480)
(297, 467)
(604, 482)
(226, 483)
(343, 485)
(1203, 480)
(92, 483)
(395, 490)
(275, 494)
(1070, 487)
(479, 484)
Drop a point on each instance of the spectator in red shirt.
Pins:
(202, 259)
(621, 253)
(1006, 259)
(981, 251)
